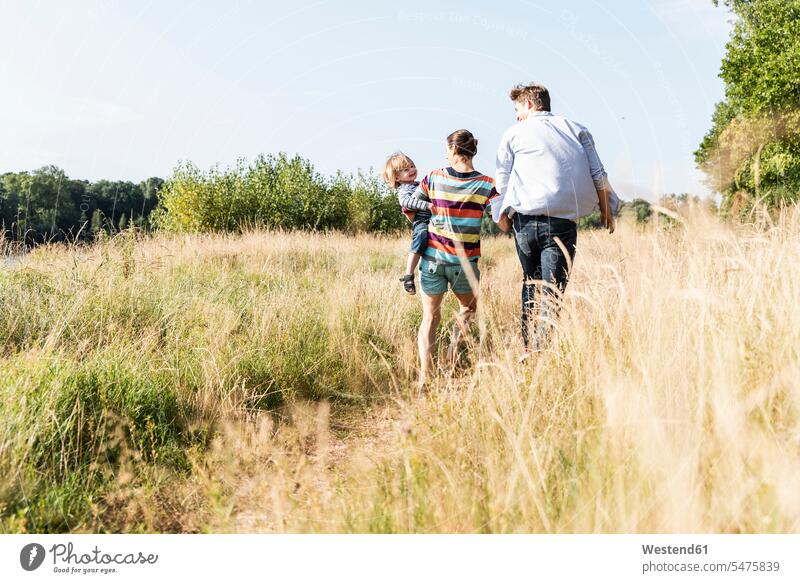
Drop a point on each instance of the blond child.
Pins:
(400, 173)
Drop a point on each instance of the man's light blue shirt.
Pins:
(548, 165)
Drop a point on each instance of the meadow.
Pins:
(264, 382)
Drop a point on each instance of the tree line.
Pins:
(273, 192)
(47, 205)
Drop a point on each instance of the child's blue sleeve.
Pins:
(406, 195)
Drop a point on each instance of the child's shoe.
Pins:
(408, 284)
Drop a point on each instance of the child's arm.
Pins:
(421, 194)
(410, 201)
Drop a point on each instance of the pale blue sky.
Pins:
(123, 90)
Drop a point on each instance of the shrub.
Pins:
(277, 192)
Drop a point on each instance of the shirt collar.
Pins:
(453, 172)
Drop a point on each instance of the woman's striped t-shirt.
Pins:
(459, 201)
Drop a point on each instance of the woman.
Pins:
(459, 195)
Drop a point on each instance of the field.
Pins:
(265, 383)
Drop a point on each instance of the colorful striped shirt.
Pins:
(459, 202)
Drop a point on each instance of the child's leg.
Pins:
(419, 241)
(412, 262)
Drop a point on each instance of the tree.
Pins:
(97, 222)
(48, 205)
(42, 203)
(752, 151)
(151, 189)
(8, 210)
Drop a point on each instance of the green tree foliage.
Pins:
(638, 208)
(641, 210)
(275, 192)
(752, 151)
(40, 204)
(370, 207)
(97, 222)
(8, 209)
(591, 221)
(47, 205)
(488, 226)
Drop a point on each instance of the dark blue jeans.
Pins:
(542, 259)
(419, 238)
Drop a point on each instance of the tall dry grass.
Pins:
(668, 401)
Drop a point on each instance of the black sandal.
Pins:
(408, 283)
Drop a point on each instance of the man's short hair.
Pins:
(536, 94)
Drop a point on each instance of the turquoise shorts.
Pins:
(435, 278)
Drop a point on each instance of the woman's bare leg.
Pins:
(431, 316)
(466, 312)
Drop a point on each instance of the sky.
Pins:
(126, 90)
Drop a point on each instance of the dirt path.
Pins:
(369, 432)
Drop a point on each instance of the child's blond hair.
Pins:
(396, 162)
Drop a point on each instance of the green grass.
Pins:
(124, 358)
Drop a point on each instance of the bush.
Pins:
(371, 207)
(275, 192)
(591, 221)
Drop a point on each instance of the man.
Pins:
(548, 175)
